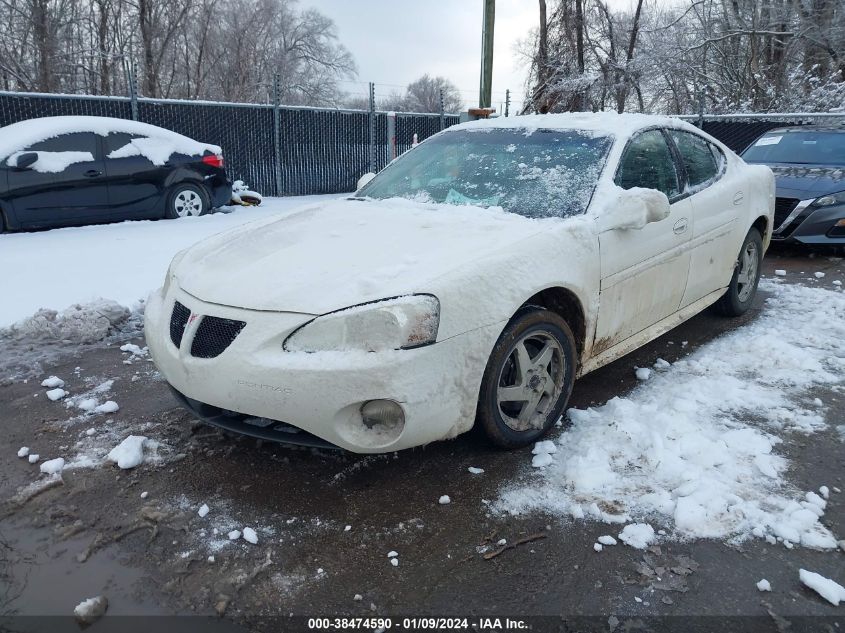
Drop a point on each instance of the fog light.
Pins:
(384, 412)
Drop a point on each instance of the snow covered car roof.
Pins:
(610, 123)
(23, 134)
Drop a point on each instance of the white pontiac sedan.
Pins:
(472, 280)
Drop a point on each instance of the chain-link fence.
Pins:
(738, 131)
(284, 150)
(277, 150)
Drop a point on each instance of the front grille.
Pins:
(214, 335)
(178, 321)
(783, 207)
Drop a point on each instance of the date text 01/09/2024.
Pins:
(417, 624)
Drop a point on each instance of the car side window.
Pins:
(697, 157)
(118, 140)
(648, 163)
(74, 142)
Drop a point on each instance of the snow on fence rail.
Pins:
(301, 151)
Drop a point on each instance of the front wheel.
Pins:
(528, 379)
(186, 200)
(743, 287)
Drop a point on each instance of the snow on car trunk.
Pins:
(695, 448)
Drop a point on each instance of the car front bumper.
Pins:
(254, 381)
(809, 224)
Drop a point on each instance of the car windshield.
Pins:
(546, 173)
(812, 147)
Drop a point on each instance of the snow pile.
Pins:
(56, 394)
(90, 610)
(542, 453)
(129, 453)
(637, 535)
(80, 323)
(831, 591)
(250, 536)
(764, 585)
(242, 194)
(52, 382)
(694, 447)
(53, 466)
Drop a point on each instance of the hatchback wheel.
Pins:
(528, 379)
(186, 200)
(743, 287)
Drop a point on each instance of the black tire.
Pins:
(186, 199)
(529, 327)
(740, 295)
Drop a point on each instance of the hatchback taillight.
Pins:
(215, 160)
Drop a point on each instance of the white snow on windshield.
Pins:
(550, 173)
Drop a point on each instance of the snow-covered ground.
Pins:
(122, 262)
(694, 449)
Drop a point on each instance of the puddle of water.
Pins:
(40, 577)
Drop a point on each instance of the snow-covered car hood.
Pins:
(345, 252)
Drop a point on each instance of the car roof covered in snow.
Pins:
(600, 123)
(22, 134)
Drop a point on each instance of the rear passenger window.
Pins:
(76, 142)
(697, 157)
(118, 140)
(647, 162)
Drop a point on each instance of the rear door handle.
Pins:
(680, 226)
(738, 198)
(93, 173)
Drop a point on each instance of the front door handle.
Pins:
(680, 226)
(93, 173)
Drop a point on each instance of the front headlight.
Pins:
(399, 323)
(830, 199)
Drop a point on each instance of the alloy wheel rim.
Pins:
(530, 381)
(747, 272)
(187, 203)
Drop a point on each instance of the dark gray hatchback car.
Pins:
(809, 166)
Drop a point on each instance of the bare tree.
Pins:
(213, 49)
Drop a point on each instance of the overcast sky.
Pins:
(394, 42)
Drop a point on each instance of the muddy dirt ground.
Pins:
(95, 534)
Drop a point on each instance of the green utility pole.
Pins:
(486, 89)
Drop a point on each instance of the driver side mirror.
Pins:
(634, 208)
(363, 180)
(26, 160)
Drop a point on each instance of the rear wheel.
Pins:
(186, 200)
(743, 287)
(528, 379)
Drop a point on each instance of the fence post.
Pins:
(372, 127)
(701, 109)
(442, 112)
(277, 132)
(507, 101)
(391, 134)
(132, 85)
